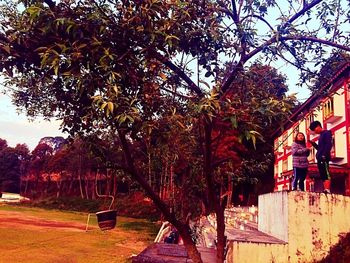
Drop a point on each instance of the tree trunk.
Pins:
(71, 183)
(162, 182)
(80, 179)
(87, 185)
(184, 230)
(149, 167)
(172, 181)
(213, 198)
(220, 232)
(47, 188)
(114, 183)
(59, 187)
(93, 188)
(26, 187)
(80, 186)
(106, 192)
(166, 180)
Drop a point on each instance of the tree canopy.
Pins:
(173, 67)
(13, 164)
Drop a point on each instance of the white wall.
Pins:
(273, 214)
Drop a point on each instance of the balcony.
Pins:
(336, 159)
(332, 119)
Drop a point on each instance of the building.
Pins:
(331, 106)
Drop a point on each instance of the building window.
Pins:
(295, 131)
(312, 155)
(309, 119)
(285, 165)
(276, 170)
(285, 139)
(328, 108)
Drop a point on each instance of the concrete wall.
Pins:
(273, 214)
(315, 222)
(310, 222)
(245, 252)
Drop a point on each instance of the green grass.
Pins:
(41, 245)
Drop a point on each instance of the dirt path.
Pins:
(22, 221)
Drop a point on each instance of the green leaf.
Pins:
(110, 106)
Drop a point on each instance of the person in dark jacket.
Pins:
(300, 162)
(323, 154)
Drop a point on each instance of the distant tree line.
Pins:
(55, 168)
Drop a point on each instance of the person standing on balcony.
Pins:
(300, 162)
(323, 154)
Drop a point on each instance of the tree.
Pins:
(329, 66)
(39, 163)
(23, 155)
(13, 164)
(119, 65)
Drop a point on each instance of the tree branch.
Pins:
(131, 168)
(183, 228)
(228, 12)
(103, 12)
(305, 8)
(271, 41)
(191, 85)
(260, 18)
(336, 23)
(234, 12)
(317, 40)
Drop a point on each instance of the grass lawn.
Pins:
(28, 241)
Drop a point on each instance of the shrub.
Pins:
(340, 252)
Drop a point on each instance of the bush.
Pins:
(340, 252)
(134, 205)
(68, 203)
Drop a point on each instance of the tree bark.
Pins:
(87, 185)
(93, 187)
(79, 178)
(213, 198)
(184, 230)
(26, 187)
(220, 232)
(115, 184)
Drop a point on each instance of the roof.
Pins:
(309, 103)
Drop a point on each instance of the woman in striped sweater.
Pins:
(300, 162)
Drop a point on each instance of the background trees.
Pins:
(125, 67)
(13, 164)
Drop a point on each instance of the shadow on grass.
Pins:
(149, 227)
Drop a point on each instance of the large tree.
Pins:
(123, 65)
(13, 164)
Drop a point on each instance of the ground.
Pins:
(38, 235)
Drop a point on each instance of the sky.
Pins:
(16, 128)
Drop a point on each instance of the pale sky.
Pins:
(15, 128)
